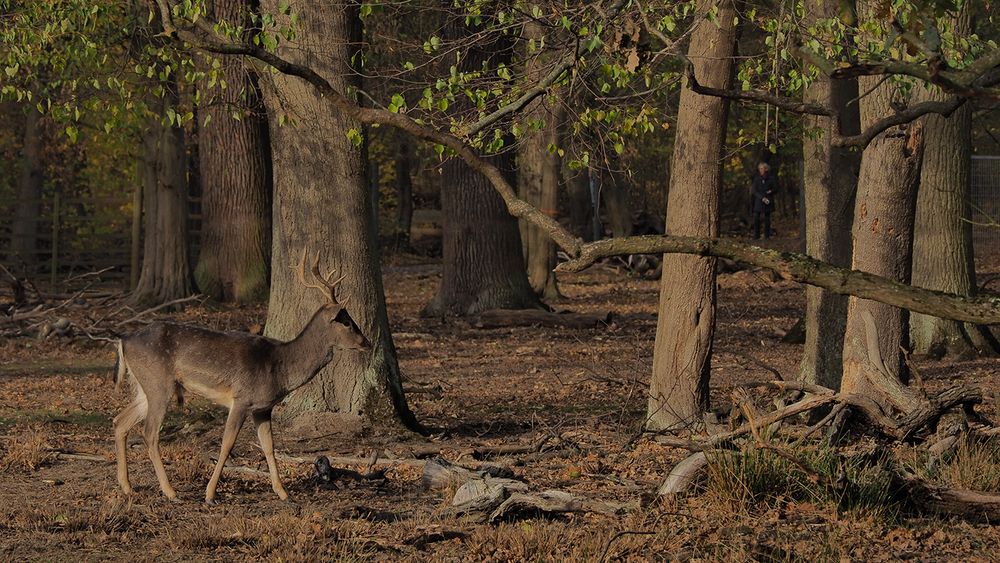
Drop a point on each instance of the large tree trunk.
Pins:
(24, 228)
(942, 244)
(322, 205)
(482, 265)
(874, 364)
(830, 185)
(678, 391)
(236, 182)
(165, 273)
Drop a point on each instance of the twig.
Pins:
(157, 308)
(619, 535)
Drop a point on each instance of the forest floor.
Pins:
(482, 387)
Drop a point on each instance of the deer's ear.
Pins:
(343, 317)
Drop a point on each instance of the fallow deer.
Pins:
(248, 374)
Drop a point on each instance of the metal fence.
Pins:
(984, 196)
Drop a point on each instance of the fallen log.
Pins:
(684, 475)
(975, 506)
(442, 474)
(500, 318)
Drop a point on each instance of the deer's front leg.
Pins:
(237, 414)
(263, 422)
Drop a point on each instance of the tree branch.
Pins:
(861, 140)
(803, 269)
(788, 104)
(553, 76)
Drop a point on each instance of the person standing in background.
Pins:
(762, 199)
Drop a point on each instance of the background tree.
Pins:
(539, 167)
(830, 180)
(482, 261)
(942, 244)
(165, 273)
(235, 166)
(24, 228)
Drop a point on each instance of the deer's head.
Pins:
(343, 331)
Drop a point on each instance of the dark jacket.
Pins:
(763, 187)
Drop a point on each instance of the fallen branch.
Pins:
(341, 460)
(499, 318)
(971, 505)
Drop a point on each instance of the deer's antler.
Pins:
(322, 283)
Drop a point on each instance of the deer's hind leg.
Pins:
(132, 415)
(157, 409)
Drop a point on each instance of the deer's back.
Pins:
(210, 363)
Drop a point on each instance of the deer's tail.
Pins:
(120, 367)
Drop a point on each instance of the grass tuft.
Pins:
(26, 452)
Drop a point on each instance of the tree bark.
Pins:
(874, 364)
(236, 181)
(678, 392)
(322, 205)
(483, 264)
(24, 228)
(942, 244)
(831, 176)
(165, 274)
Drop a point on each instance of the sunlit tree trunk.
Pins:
(678, 392)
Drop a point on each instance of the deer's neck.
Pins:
(302, 358)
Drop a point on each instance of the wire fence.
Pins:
(54, 240)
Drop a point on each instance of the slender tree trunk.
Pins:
(942, 244)
(165, 273)
(883, 244)
(236, 182)
(539, 167)
(483, 265)
(678, 392)
(404, 190)
(24, 228)
(614, 194)
(830, 185)
(578, 201)
(322, 205)
(539, 181)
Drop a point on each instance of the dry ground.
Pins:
(482, 387)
